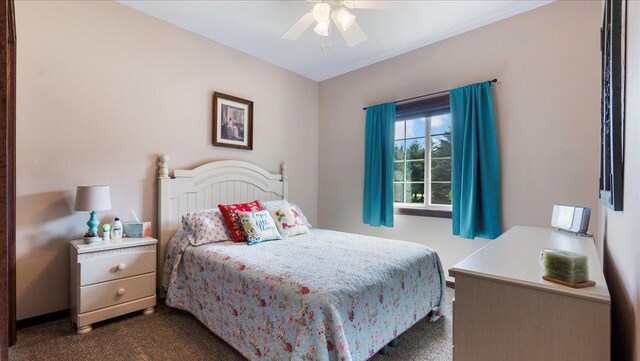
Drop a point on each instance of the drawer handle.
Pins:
(121, 291)
(121, 267)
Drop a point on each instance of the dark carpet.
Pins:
(169, 334)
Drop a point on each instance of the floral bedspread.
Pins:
(321, 296)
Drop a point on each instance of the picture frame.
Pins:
(613, 48)
(232, 122)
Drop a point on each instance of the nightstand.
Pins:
(111, 278)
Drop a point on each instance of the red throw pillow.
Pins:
(231, 218)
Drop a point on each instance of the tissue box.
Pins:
(133, 229)
(136, 229)
(565, 266)
(146, 229)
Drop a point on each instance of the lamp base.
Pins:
(93, 223)
(91, 240)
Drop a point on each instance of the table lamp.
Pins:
(92, 199)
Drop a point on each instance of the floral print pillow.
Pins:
(207, 226)
(288, 222)
(298, 212)
(258, 226)
(232, 220)
(283, 203)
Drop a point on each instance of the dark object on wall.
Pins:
(427, 107)
(612, 44)
(400, 108)
(232, 122)
(7, 178)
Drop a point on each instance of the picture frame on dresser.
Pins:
(232, 122)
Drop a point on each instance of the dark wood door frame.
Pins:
(7, 177)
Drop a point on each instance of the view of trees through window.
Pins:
(411, 183)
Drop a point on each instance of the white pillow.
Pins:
(297, 210)
(278, 203)
(287, 222)
(206, 226)
(258, 226)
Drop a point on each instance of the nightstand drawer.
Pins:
(125, 263)
(114, 292)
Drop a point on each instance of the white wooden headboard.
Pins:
(225, 181)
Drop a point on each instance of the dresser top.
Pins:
(514, 258)
(81, 247)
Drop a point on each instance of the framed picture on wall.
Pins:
(232, 122)
(613, 46)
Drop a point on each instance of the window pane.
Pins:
(441, 146)
(415, 128)
(415, 193)
(398, 192)
(441, 193)
(415, 171)
(398, 171)
(441, 169)
(415, 149)
(399, 131)
(441, 124)
(399, 150)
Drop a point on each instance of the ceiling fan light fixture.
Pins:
(321, 12)
(345, 19)
(322, 28)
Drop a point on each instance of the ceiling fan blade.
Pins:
(354, 35)
(299, 27)
(373, 4)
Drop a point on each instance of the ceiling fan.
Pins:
(338, 11)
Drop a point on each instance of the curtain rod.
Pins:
(430, 94)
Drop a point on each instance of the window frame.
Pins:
(425, 209)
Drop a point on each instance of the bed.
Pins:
(325, 295)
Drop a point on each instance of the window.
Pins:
(422, 164)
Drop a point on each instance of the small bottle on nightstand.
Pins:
(117, 228)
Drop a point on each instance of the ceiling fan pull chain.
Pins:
(326, 41)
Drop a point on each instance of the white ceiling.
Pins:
(254, 27)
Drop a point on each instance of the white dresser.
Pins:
(504, 310)
(111, 278)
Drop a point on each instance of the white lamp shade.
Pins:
(345, 19)
(321, 12)
(322, 28)
(92, 198)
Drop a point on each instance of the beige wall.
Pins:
(620, 231)
(547, 114)
(89, 70)
(102, 91)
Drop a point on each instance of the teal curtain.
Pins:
(378, 167)
(475, 182)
